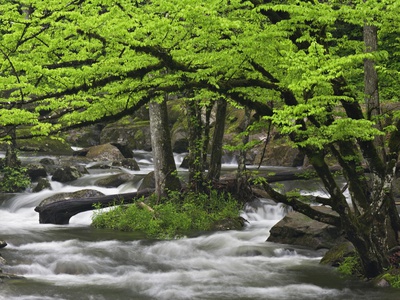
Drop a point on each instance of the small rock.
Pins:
(382, 283)
(35, 171)
(2, 244)
(42, 184)
(129, 163)
(2, 261)
(66, 174)
(47, 161)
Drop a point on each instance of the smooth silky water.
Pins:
(79, 262)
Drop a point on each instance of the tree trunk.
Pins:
(242, 181)
(196, 166)
(11, 158)
(214, 170)
(370, 74)
(165, 173)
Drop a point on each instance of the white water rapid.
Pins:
(77, 262)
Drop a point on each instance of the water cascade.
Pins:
(79, 262)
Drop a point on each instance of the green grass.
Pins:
(174, 217)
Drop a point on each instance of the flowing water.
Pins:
(79, 262)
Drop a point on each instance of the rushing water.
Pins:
(79, 262)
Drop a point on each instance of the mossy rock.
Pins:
(86, 193)
(128, 131)
(45, 145)
(229, 224)
(114, 180)
(86, 136)
(337, 254)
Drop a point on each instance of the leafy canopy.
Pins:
(65, 63)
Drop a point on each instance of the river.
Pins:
(78, 262)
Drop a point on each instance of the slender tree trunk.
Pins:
(196, 167)
(11, 158)
(370, 75)
(242, 183)
(214, 170)
(206, 136)
(165, 173)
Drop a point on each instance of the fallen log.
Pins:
(61, 211)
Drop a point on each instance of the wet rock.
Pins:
(229, 224)
(9, 276)
(148, 182)
(2, 261)
(298, 229)
(87, 193)
(47, 161)
(179, 140)
(185, 163)
(49, 165)
(114, 180)
(66, 174)
(105, 152)
(2, 244)
(128, 163)
(383, 283)
(35, 171)
(124, 149)
(43, 183)
(337, 254)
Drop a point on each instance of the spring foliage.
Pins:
(70, 62)
(173, 218)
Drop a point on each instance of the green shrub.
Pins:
(351, 265)
(393, 279)
(174, 217)
(14, 180)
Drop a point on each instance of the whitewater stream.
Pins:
(78, 262)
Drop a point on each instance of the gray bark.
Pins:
(214, 169)
(370, 74)
(164, 164)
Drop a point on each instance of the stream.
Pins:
(79, 262)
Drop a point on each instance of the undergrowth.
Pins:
(173, 217)
(14, 180)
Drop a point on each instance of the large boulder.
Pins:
(36, 171)
(104, 152)
(128, 163)
(133, 132)
(86, 136)
(2, 244)
(298, 229)
(148, 182)
(66, 174)
(45, 144)
(87, 193)
(114, 180)
(337, 254)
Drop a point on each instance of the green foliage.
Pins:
(351, 265)
(174, 217)
(393, 277)
(14, 180)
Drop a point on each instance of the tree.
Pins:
(323, 112)
(165, 174)
(72, 63)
